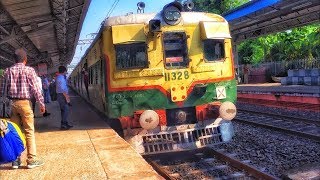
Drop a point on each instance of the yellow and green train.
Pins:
(166, 81)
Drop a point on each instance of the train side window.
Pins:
(175, 49)
(129, 56)
(213, 49)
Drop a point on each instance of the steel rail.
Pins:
(212, 154)
(291, 118)
(159, 170)
(288, 131)
(240, 165)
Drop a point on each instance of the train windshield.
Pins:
(213, 49)
(175, 49)
(129, 56)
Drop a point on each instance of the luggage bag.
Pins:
(12, 141)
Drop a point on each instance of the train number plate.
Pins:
(176, 75)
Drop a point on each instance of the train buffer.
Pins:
(89, 150)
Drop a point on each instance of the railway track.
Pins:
(307, 128)
(204, 163)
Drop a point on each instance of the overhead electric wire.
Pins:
(113, 6)
(115, 3)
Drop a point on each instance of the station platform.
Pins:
(299, 97)
(313, 91)
(89, 150)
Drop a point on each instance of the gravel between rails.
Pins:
(272, 151)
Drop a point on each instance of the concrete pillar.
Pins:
(236, 60)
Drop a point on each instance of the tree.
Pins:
(297, 43)
(217, 6)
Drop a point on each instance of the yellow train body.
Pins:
(138, 63)
(198, 69)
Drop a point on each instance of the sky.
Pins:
(98, 11)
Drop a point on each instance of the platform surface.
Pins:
(90, 150)
(277, 87)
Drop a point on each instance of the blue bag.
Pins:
(12, 141)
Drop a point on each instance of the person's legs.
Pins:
(46, 95)
(64, 111)
(246, 78)
(28, 124)
(65, 114)
(22, 109)
(27, 119)
(60, 100)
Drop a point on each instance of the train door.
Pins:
(103, 79)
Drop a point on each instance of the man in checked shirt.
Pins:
(21, 84)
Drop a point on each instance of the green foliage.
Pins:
(217, 6)
(298, 43)
(250, 52)
(229, 5)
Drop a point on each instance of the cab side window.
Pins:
(130, 56)
(213, 49)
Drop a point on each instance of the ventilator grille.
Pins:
(181, 140)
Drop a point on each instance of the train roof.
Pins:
(187, 18)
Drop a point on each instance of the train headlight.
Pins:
(227, 110)
(149, 119)
(172, 13)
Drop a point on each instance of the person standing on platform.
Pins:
(45, 87)
(63, 97)
(20, 83)
(246, 74)
(85, 75)
(33, 99)
(52, 89)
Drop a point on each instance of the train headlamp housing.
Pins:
(149, 119)
(227, 110)
(171, 13)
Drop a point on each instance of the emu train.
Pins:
(166, 80)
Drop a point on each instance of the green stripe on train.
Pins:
(126, 102)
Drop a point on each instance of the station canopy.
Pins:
(261, 17)
(47, 29)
